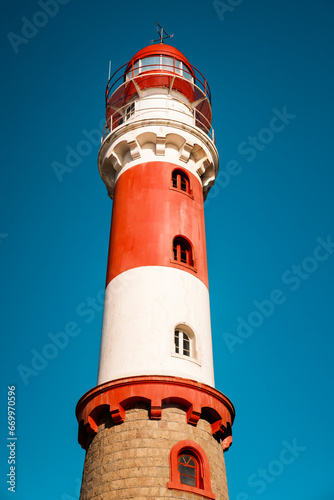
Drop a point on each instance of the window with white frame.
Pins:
(182, 343)
(129, 111)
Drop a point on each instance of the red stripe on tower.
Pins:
(154, 203)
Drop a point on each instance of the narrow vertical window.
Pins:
(129, 111)
(182, 251)
(177, 341)
(186, 345)
(174, 179)
(182, 343)
(180, 181)
(175, 251)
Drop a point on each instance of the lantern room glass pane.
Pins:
(150, 63)
(186, 72)
(167, 63)
(136, 68)
(178, 67)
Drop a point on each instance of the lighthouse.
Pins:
(155, 426)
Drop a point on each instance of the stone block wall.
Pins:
(131, 460)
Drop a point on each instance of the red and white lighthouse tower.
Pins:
(154, 426)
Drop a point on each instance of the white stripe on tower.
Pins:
(143, 308)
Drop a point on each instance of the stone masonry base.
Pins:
(130, 460)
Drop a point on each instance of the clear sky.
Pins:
(269, 226)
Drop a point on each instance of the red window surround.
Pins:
(202, 469)
(182, 251)
(181, 182)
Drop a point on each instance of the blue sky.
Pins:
(269, 226)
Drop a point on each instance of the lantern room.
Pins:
(158, 81)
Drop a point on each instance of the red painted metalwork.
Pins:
(160, 48)
(127, 81)
(115, 397)
(144, 203)
(160, 74)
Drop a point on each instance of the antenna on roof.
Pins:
(109, 70)
(161, 32)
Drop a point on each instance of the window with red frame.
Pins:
(188, 469)
(182, 251)
(180, 181)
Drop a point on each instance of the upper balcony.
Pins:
(153, 68)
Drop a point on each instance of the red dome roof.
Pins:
(159, 49)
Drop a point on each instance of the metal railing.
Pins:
(128, 72)
(129, 113)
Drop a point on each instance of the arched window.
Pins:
(182, 343)
(189, 469)
(180, 181)
(182, 251)
(185, 342)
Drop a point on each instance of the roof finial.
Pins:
(161, 32)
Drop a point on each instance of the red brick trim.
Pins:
(204, 469)
(198, 401)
